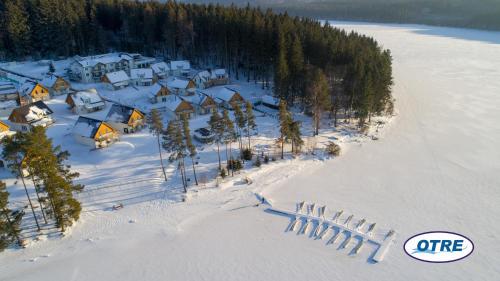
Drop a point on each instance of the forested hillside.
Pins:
(251, 43)
(484, 14)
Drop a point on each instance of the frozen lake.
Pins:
(436, 167)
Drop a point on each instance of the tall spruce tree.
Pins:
(155, 122)
(229, 135)
(174, 144)
(240, 119)
(285, 119)
(189, 144)
(217, 128)
(320, 100)
(250, 122)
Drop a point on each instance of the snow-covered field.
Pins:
(435, 168)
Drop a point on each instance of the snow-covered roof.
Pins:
(220, 93)
(117, 77)
(153, 91)
(49, 81)
(270, 100)
(173, 104)
(119, 113)
(180, 65)
(86, 127)
(197, 98)
(177, 83)
(30, 113)
(141, 73)
(104, 59)
(87, 97)
(160, 67)
(27, 87)
(219, 72)
(204, 75)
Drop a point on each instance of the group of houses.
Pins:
(173, 88)
(119, 70)
(119, 119)
(193, 102)
(31, 91)
(101, 132)
(98, 133)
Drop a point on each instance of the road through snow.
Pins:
(436, 167)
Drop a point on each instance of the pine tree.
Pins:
(240, 121)
(282, 71)
(296, 137)
(250, 122)
(156, 128)
(9, 222)
(174, 144)
(52, 68)
(189, 144)
(229, 135)
(285, 120)
(296, 69)
(217, 129)
(319, 98)
(47, 164)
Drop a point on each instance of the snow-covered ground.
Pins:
(435, 168)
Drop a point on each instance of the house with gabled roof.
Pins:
(177, 107)
(201, 103)
(94, 133)
(56, 85)
(125, 119)
(210, 78)
(180, 68)
(142, 77)
(225, 97)
(116, 80)
(26, 117)
(31, 91)
(161, 70)
(159, 93)
(180, 86)
(83, 102)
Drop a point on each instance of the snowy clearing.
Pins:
(435, 168)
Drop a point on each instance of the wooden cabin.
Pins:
(178, 107)
(94, 133)
(159, 93)
(225, 97)
(202, 104)
(56, 85)
(116, 80)
(31, 92)
(182, 87)
(84, 102)
(26, 117)
(125, 119)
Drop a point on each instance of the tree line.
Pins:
(276, 50)
(32, 158)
